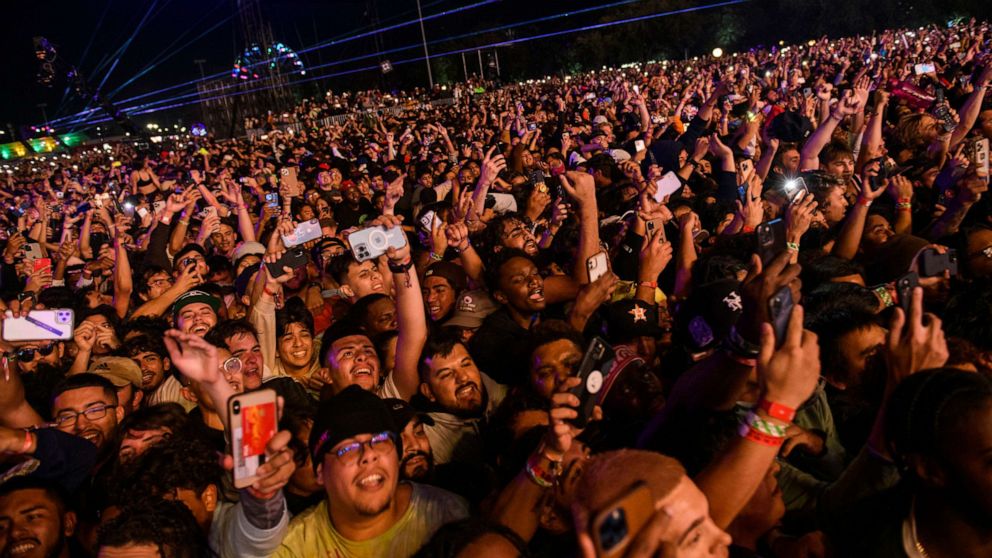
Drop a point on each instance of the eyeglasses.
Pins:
(27, 355)
(231, 366)
(381, 443)
(69, 418)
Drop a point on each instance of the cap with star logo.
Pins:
(631, 318)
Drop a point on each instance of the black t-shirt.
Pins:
(347, 216)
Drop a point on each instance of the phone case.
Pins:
(597, 266)
(253, 420)
(904, 288)
(304, 232)
(771, 239)
(372, 242)
(40, 325)
(292, 258)
(615, 527)
(596, 362)
(933, 263)
(32, 251)
(780, 311)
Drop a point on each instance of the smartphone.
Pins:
(41, 264)
(614, 528)
(638, 145)
(207, 212)
(597, 360)
(904, 290)
(932, 263)
(667, 185)
(304, 232)
(142, 212)
(637, 89)
(272, 199)
(293, 259)
(253, 421)
(373, 242)
(779, 311)
(597, 266)
(653, 226)
(921, 69)
(32, 251)
(980, 156)
(770, 240)
(40, 325)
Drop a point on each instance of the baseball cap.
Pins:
(403, 413)
(706, 317)
(121, 371)
(452, 273)
(351, 412)
(471, 309)
(600, 119)
(247, 249)
(194, 296)
(630, 318)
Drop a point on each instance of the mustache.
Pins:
(418, 453)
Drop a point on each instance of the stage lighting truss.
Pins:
(253, 61)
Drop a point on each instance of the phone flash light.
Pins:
(791, 184)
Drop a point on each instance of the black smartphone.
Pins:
(596, 363)
(933, 263)
(294, 259)
(779, 312)
(770, 239)
(904, 289)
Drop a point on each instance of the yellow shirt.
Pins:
(311, 533)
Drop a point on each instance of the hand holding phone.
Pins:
(253, 419)
(596, 362)
(597, 266)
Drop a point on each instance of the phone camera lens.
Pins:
(236, 407)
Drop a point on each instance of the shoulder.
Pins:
(434, 501)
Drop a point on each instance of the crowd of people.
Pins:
(733, 305)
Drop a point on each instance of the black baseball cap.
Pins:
(351, 412)
(403, 413)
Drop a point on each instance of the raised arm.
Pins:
(972, 105)
(847, 106)
(581, 187)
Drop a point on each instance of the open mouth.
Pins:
(360, 372)
(146, 379)
(23, 548)
(536, 294)
(199, 329)
(435, 310)
(92, 436)
(298, 355)
(374, 481)
(466, 390)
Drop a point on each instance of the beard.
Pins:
(420, 472)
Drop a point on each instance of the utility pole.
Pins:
(423, 38)
(482, 73)
(496, 56)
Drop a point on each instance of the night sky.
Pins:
(87, 33)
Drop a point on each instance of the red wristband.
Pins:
(648, 284)
(747, 229)
(750, 362)
(757, 437)
(27, 441)
(864, 201)
(777, 410)
(266, 290)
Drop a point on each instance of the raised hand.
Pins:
(913, 345)
(492, 165)
(194, 357)
(580, 186)
(789, 374)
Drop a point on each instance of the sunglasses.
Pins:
(27, 355)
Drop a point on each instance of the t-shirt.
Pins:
(311, 533)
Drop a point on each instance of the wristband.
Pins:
(265, 289)
(545, 478)
(777, 410)
(864, 201)
(436, 257)
(792, 246)
(165, 220)
(757, 437)
(885, 296)
(904, 206)
(648, 284)
(400, 268)
(747, 229)
(754, 422)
